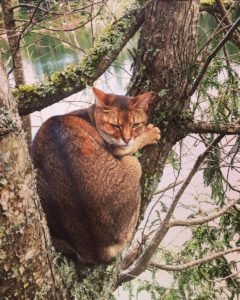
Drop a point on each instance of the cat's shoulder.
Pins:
(80, 116)
(75, 123)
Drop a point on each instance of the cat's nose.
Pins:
(127, 140)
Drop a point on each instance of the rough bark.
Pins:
(164, 64)
(17, 62)
(25, 270)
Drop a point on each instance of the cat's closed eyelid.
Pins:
(136, 125)
(116, 126)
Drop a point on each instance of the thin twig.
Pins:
(169, 187)
(194, 262)
(203, 220)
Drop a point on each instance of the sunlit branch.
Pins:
(203, 220)
(212, 55)
(211, 127)
(144, 259)
(75, 78)
(194, 262)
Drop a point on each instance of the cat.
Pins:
(87, 179)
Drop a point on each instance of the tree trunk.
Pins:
(164, 65)
(25, 263)
(14, 45)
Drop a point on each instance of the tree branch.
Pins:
(92, 17)
(75, 78)
(144, 259)
(200, 221)
(169, 187)
(194, 262)
(211, 127)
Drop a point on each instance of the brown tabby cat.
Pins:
(88, 182)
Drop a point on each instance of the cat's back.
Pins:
(57, 131)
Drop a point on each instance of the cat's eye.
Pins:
(116, 126)
(135, 125)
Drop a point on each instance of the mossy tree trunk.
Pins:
(25, 268)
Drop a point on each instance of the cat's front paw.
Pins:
(152, 134)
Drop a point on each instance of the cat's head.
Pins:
(120, 119)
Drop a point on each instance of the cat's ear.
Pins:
(102, 100)
(142, 101)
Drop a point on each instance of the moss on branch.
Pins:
(74, 78)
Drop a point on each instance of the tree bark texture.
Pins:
(164, 65)
(25, 270)
(17, 62)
